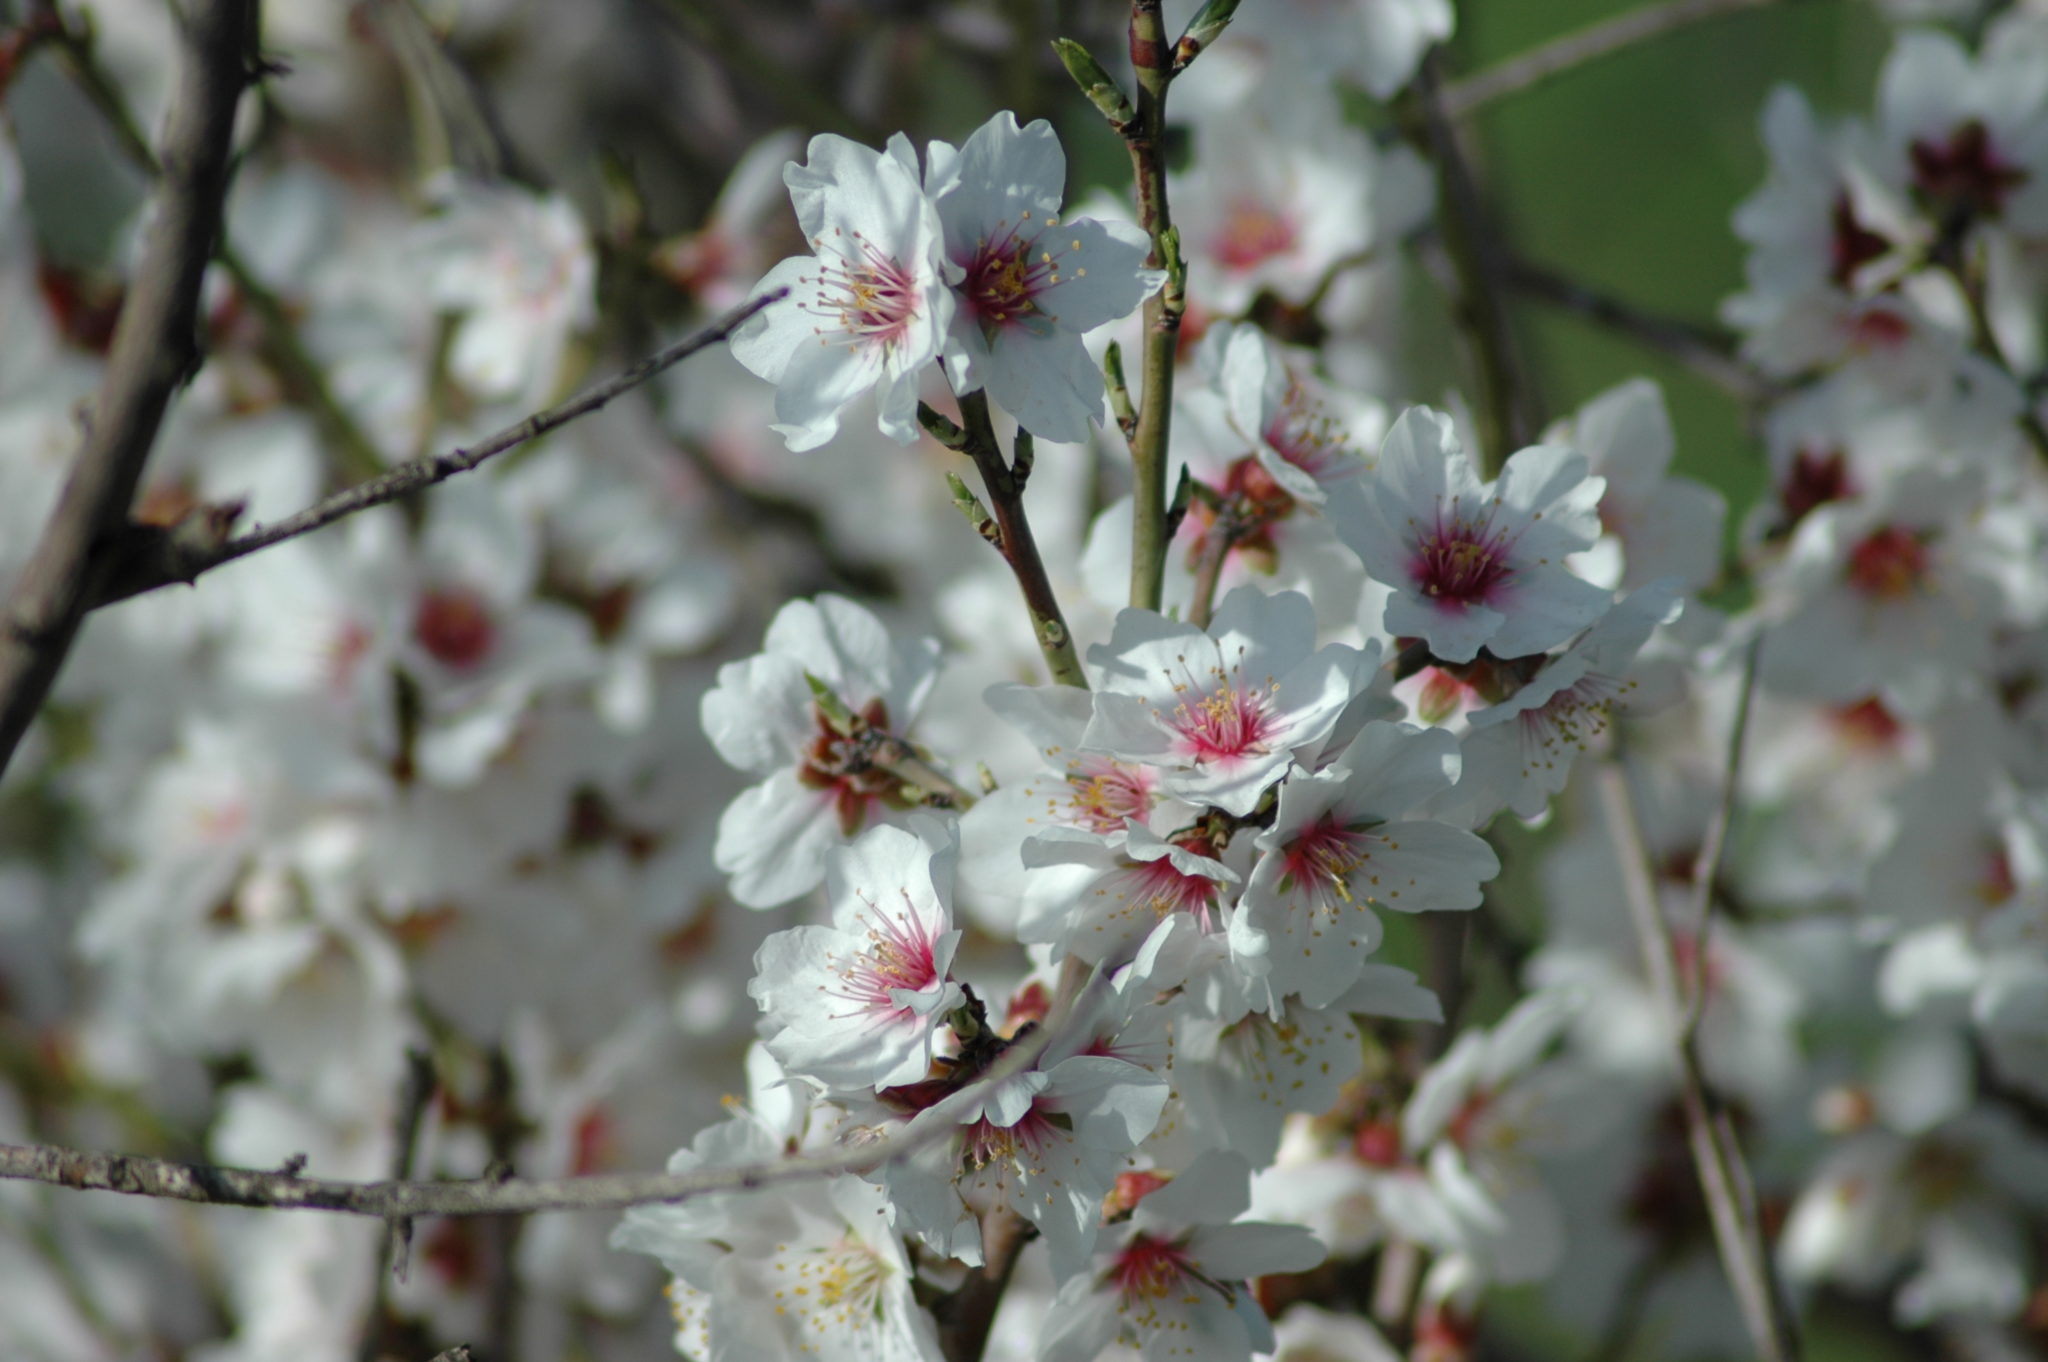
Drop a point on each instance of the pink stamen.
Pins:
(864, 296)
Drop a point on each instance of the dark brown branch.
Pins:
(155, 351)
(1009, 530)
(1707, 350)
(1505, 411)
(150, 557)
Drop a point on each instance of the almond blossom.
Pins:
(869, 309)
(1029, 283)
(1220, 712)
(1170, 1281)
(1477, 565)
(820, 787)
(1346, 839)
(856, 1004)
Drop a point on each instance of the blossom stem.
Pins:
(1716, 1152)
(1573, 50)
(1145, 135)
(1223, 535)
(1003, 481)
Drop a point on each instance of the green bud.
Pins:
(1095, 83)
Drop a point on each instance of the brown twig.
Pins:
(1588, 44)
(1707, 869)
(1716, 1151)
(1505, 412)
(395, 1248)
(1008, 529)
(398, 1200)
(151, 557)
(155, 351)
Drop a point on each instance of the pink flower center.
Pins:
(1817, 476)
(1965, 174)
(454, 625)
(1878, 328)
(1150, 1269)
(1302, 433)
(1997, 883)
(1321, 860)
(1888, 563)
(1166, 888)
(863, 296)
(1229, 723)
(1106, 792)
(1009, 273)
(1253, 232)
(1869, 724)
(1853, 245)
(1568, 722)
(1461, 560)
(898, 955)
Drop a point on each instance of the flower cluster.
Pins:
(1386, 902)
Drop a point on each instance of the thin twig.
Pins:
(1012, 537)
(1554, 58)
(395, 1247)
(397, 1200)
(1145, 136)
(154, 557)
(1707, 350)
(758, 72)
(1506, 410)
(1716, 1152)
(155, 351)
(1707, 869)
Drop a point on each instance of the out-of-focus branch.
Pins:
(155, 350)
(400, 1200)
(1707, 870)
(1506, 409)
(710, 28)
(1554, 58)
(1716, 1152)
(148, 557)
(305, 382)
(1708, 351)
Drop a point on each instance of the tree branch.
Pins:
(1009, 530)
(1707, 350)
(1145, 135)
(1716, 1152)
(1554, 58)
(401, 1200)
(155, 351)
(150, 557)
(1505, 410)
